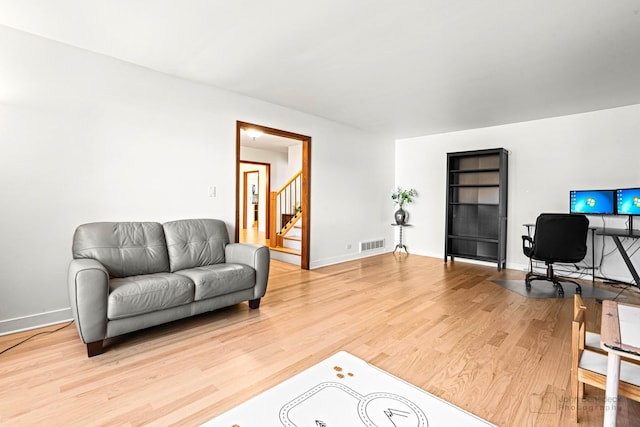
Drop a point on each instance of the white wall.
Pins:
(278, 162)
(548, 158)
(294, 154)
(88, 138)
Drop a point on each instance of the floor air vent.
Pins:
(371, 245)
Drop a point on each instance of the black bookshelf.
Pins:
(476, 217)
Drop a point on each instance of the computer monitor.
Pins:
(592, 202)
(628, 201)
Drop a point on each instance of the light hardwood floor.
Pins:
(443, 327)
(252, 235)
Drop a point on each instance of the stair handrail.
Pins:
(299, 173)
(276, 228)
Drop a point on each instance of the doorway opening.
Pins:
(277, 214)
(254, 203)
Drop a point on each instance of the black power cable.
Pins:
(33, 336)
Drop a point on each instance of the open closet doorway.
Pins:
(254, 203)
(251, 206)
(275, 212)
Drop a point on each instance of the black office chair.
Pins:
(558, 238)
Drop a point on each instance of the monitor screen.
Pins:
(628, 201)
(592, 202)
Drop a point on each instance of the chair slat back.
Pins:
(581, 376)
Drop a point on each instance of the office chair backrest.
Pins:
(560, 237)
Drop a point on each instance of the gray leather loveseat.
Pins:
(127, 276)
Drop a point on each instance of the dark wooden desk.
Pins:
(616, 234)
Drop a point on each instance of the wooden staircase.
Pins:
(285, 217)
(292, 239)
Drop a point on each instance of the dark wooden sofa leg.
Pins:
(254, 303)
(94, 348)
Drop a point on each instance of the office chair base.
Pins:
(550, 278)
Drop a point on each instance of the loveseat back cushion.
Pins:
(220, 279)
(195, 242)
(134, 295)
(124, 248)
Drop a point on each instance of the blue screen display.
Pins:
(596, 202)
(628, 201)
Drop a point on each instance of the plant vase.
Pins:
(401, 216)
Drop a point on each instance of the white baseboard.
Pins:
(345, 258)
(34, 321)
(285, 257)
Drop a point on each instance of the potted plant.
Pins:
(401, 197)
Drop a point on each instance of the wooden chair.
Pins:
(590, 367)
(591, 339)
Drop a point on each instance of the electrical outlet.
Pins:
(348, 245)
(212, 191)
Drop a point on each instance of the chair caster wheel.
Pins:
(561, 293)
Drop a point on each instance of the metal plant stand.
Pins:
(400, 246)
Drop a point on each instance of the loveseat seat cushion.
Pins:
(124, 248)
(220, 279)
(135, 295)
(195, 242)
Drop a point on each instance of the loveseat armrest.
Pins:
(255, 256)
(88, 282)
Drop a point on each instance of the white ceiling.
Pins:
(268, 142)
(402, 67)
